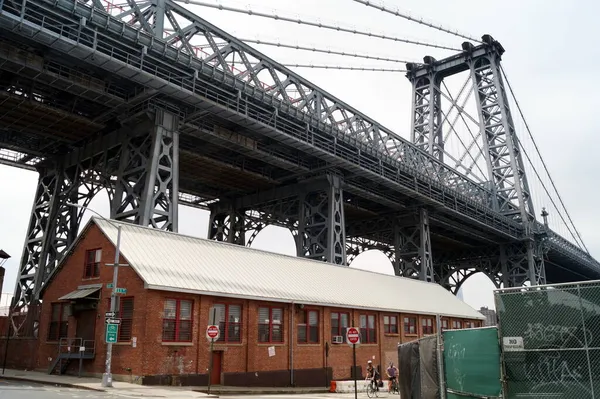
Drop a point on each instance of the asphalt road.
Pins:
(27, 390)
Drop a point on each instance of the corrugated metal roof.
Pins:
(79, 293)
(176, 262)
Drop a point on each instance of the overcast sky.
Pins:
(551, 53)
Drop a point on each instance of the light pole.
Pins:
(107, 376)
(3, 258)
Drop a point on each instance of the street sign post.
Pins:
(353, 338)
(110, 320)
(212, 334)
(110, 314)
(121, 290)
(111, 333)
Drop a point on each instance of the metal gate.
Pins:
(551, 340)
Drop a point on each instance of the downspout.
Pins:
(292, 345)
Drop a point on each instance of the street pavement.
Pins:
(29, 390)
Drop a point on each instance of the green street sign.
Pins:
(121, 290)
(109, 285)
(111, 333)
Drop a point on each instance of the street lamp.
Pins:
(107, 376)
(3, 258)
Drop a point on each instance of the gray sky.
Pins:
(546, 46)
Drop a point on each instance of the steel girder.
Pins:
(426, 132)
(147, 185)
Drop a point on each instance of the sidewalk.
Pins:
(170, 392)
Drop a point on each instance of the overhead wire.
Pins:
(406, 16)
(341, 67)
(543, 164)
(315, 24)
(323, 50)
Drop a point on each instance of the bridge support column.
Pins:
(523, 262)
(321, 228)
(413, 248)
(426, 130)
(147, 184)
(227, 225)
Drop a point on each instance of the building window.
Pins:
(444, 324)
(59, 321)
(390, 324)
(270, 324)
(368, 332)
(126, 316)
(427, 326)
(92, 263)
(308, 327)
(468, 324)
(456, 324)
(177, 321)
(410, 325)
(339, 323)
(229, 319)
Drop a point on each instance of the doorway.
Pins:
(86, 325)
(215, 377)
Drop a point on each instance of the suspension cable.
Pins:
(347, 68)
(544, 165)
(315, 24)
(397, 13)
(323, 50)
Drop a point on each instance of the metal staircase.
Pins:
(70, 349)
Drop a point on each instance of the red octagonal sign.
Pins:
(352, 336)
(212, 332)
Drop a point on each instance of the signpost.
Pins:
(111, 333)
(353, 338)
(212, 334)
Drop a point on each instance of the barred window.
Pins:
(308, 327)
(390, 324)
(229, 320)
(368, 332)
(427, 326)
(177, 320)
(59, 321)
(410, 325)
(126, 316)
(92, 263)
(270, 324)
(339, 323)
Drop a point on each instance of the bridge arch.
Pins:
(265, 236)
(374, 260)
(459, 277)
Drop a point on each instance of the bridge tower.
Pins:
(510, 193)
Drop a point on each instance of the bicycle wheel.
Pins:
(370, 391)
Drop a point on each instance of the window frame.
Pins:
(178, 320)
(125, 320)
(387, 326)
(224, 331)
(60, 321)
(445, 324)
(406, 326)
(270, 324)
(95, 266)
(340, 328)
(456, 323)
(427, 323)
(368, 339)
(308, 326)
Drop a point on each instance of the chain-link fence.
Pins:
(551, 340)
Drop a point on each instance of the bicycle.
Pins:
(395, 388)
(372, 390)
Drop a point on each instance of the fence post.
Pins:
(440, 358)
(585, 341)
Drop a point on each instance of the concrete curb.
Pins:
(44, 382)
(259, 391)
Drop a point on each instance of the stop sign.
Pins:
(212, 332)
(352, 336)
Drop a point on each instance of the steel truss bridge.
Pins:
(93, 101)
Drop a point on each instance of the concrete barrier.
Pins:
(348, 386)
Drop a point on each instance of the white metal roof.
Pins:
(176, 262)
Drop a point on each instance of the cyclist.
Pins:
(392, 374)
(373, 375)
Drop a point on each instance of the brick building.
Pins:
(281, 318)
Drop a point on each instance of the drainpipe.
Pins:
(292, 345)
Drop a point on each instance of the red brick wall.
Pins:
(153, 357)
(21, 353)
